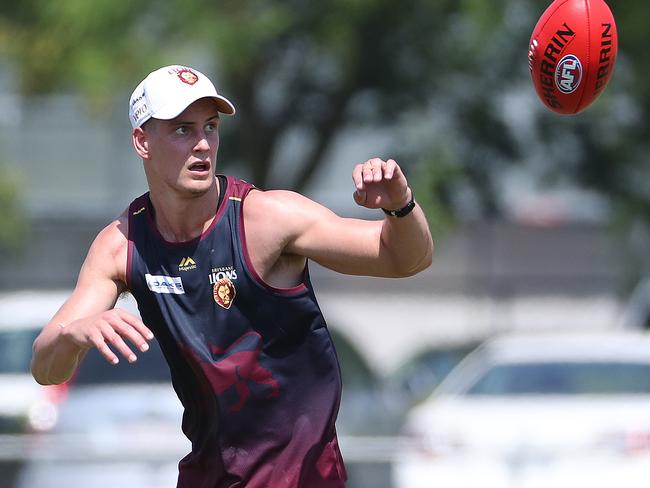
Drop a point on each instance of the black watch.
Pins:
(404, 211)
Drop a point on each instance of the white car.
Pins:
(25, 406)
(109, 426)
(120, 426)
(537, 411)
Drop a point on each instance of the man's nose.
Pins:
(202, 144)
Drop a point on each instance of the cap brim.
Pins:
(224, 105)
(172, 111)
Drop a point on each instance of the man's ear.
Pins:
(140, 142)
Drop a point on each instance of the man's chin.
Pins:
(198, 187)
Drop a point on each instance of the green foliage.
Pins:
(433, 177)
(13, 226)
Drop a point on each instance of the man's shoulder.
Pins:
(270, 200)
(113, 238)
(282, 208)
(107, 256)
(282, 214)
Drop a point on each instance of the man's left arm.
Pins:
(396, 246)
(407, 240)
(405, 234)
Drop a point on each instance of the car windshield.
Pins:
(16, 350)
(149, 368)
(564, 379)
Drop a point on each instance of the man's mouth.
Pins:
(199, 167)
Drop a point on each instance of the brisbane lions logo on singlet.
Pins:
(223, 286)
(224, 292)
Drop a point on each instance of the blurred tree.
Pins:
(291, 66)
(311, 69)
(13, 224)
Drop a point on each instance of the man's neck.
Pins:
(180, 219)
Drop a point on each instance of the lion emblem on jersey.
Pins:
(224, 292)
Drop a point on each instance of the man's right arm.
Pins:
(87, 319)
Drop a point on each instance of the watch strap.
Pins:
(404, 211)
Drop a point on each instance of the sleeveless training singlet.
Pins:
(254, 366)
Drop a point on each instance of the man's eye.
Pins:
(211, 127)
(182, 130)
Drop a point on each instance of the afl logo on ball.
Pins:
(224, 292)
(188, 76)
(568, 74)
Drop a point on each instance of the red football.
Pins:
(572, 54)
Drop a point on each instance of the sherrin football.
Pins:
(572, 54)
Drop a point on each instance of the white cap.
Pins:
(166, 92)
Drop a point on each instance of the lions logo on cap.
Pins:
(188, 76)
(224, 292)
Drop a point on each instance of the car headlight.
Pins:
(44, 414)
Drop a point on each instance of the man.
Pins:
(219, 271)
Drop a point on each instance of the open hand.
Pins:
(110, 327)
